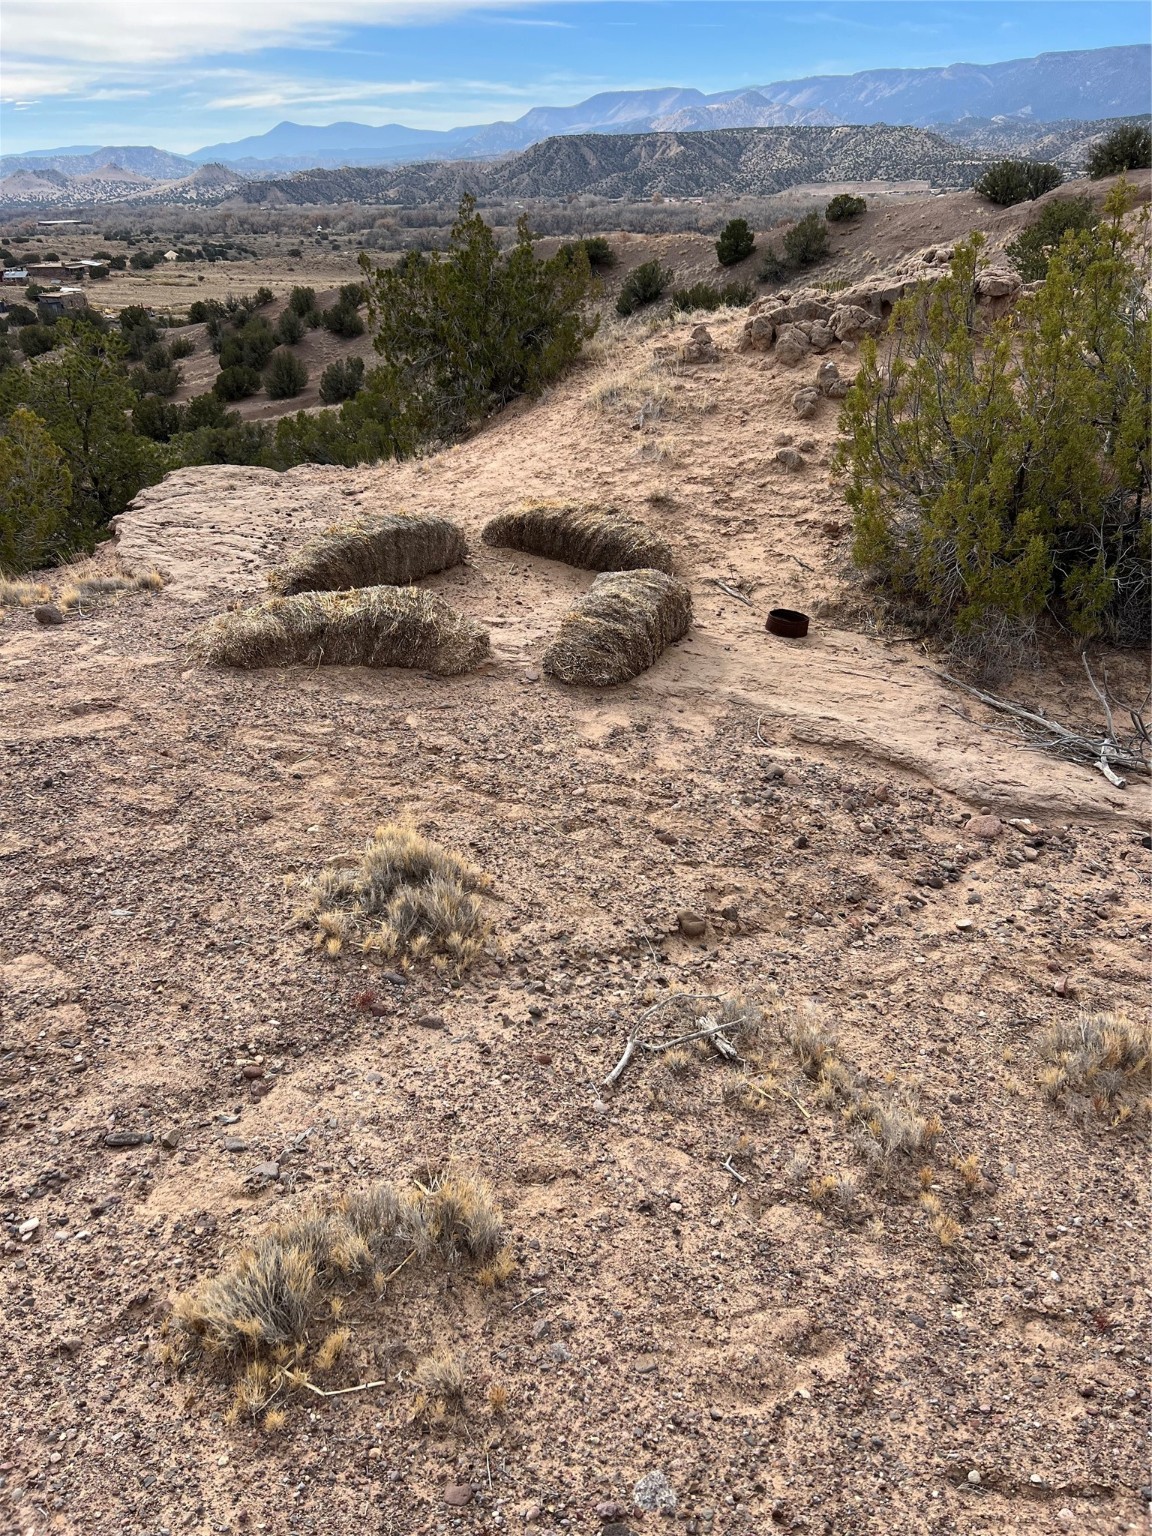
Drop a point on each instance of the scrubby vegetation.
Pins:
(999, 475)
(805, 244)
(643, 285)
(285, 375)
(597, 250)
(1017, 181)
(271, 1320)
(845, 206)
(342, 380)
(710, 296)
(1127, 148)
(736, 242)
(1029, 253)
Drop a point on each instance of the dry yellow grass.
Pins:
(619, 628)
(370, 627)
(406, 899)
(594, 538)
(392, 550)
(1099, 1062)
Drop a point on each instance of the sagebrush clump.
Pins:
(1099, 1063)
(405, 899)
(643, 285)
(1017, 181)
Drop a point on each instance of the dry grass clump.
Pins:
(370, 627)
(594, 538)
(1099, 1062)
(268, 1318)
(93, 589)
(392, 550)
(619, 628)
(22, 594)
(406, 899)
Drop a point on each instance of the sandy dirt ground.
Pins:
(682, 1304)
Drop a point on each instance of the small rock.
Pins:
(234, 1144)
(127, 1138)
(791, 458)
(985, 827)
(616, 1528)
(974, 1478)
(252, 1071)
(170, 1140)
(829, 382)
(964, 924)
(782, 439)
(654, 1494)
(1030, 855)
(804, 403)
(792, 346)
(458, 1494)
(266, 1173)
(47, 613)
(373, 1077)
(1066, 1518)
(431, 1021)
(691, 925)
(700, 348)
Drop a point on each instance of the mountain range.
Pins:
(1086, 84)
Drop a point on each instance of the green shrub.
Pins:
(995, 476)
(709, 296)
(343, 319)
(845, 206)
(302, 302)
(158, 419)
(205, 311)
(118, 264)
(236, 382)
(342, 380)
(249, 347)
(20, 314)
(773, 268)
(35, 495)
(289, 329)
(599, 252)
(735, 243)
(1017, 181)
(285, 375)
(181, 346)
(462, 333)
(643, 285)
(82, 395)
(144, 261)
(262, 297)
(208, 411)
(294, 251)
(138, 329)
(1030, 251)
(1127, 148)
(806, 242)
(35, 340)
(163, 381)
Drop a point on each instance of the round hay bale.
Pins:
(369, 627)
(619, 628)
(393, 550)
(596, 539)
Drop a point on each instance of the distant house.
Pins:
(89, 268)
(16, 275)
(67, 301)
(171, 255)
(52, 272)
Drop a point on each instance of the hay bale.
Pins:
(595, 539)
(371, 627)
(393, 551)
(619, 628)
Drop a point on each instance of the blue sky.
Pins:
(181, 75)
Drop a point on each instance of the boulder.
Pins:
(803, 309)
(820, 335)
(997, 283)
(804, 403)
(829, 382)
(700, 348)
(792, 346)
(758, 334)
(850, 322)
(791, 458)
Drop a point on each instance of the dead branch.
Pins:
(1104, 752)
(636, 1037)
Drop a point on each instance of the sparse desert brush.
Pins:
(407, 899)
(369, 627)
(838, 1191)
(811, 1047)
(593, 538)
(93, 589)
(261, 1317)
(498, 1272)
(946, 1229)
(677, 1060)
(497, 1400)
(1099, 1062)
(441, 1380)
(619, 628)
(970, 1173)
(391, 550)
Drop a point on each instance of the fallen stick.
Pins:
(732, 592)
(364, 1386)
(728, 1165)
(634, 1038)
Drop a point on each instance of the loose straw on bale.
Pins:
(619, 628)
(393, 550)
(371, 627)
(596, 540)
